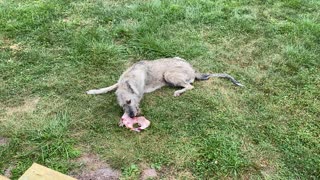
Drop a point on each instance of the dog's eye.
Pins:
(128, 101)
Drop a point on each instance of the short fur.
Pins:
(147, 76)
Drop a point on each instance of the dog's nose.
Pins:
(131, 114)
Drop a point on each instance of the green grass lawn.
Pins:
(52, 51)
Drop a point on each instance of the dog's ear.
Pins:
(132, 88)
(128, 101)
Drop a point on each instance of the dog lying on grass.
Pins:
(148, 76)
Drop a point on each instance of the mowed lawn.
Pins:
(52, 51)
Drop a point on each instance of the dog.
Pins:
(148, 76)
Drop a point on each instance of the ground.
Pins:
(53, 51)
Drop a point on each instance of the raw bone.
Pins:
(129, 122)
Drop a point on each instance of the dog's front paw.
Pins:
(120, 123)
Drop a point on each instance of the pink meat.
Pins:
(129, 122)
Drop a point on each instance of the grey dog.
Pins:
(147, 76)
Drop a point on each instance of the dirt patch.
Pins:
(7, 172)
(7, 44)
(28, 106)
(99, 174)
(149, 174)
(172, 173)
(3, 141)
(266, 168)
(95, 169)
(15, 47)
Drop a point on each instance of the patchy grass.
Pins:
(51, 52)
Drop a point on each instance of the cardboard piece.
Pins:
(38, 172)
(3, 178)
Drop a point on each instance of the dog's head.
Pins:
(129, 102)
(131, 108)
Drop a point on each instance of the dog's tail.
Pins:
(202, 76)
(103, 90)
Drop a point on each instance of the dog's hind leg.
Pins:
(186, 87)
(103, 90)
(179, 80)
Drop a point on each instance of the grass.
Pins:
(55, 50)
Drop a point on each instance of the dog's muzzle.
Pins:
(131, 114)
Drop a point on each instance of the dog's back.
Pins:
(149, 75)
